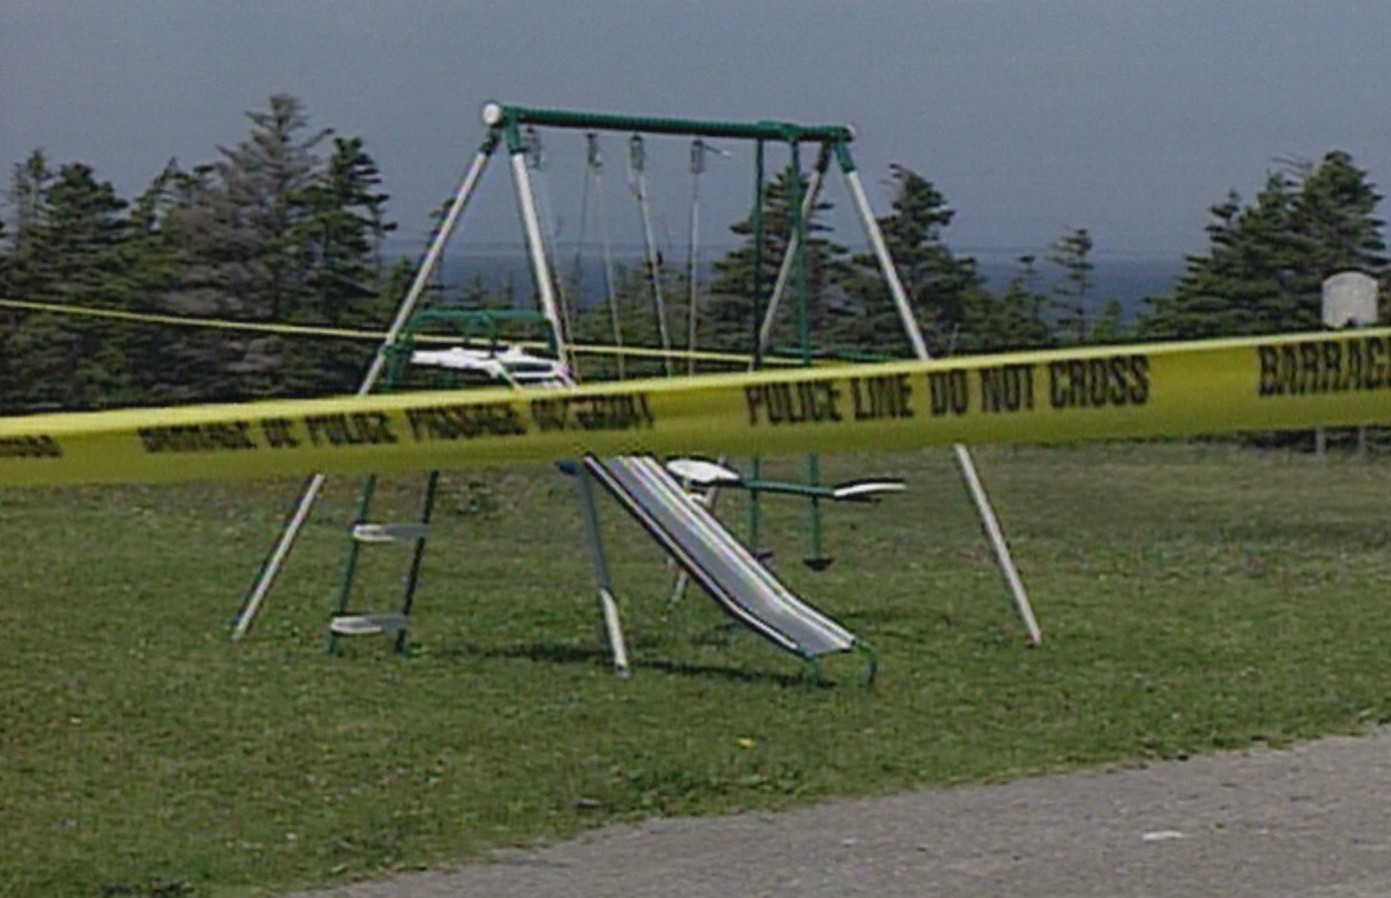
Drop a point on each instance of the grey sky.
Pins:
(1128, 118)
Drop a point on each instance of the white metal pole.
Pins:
(692, 260)
(886, 264)
(964, 461)
(996, 535)
(541, 271)
(603, 581)
(540, 266)
(637, 173)
(290, 534)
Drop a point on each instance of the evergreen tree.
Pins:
(24, 196)
(26, 208)
(1013, 320)
(942, 289)
(75, 251)
(341, 235)
(26, 203)
(1072, 295)
(1244, 284)
(1109, 325)
(156, 256)
(161, 355)
(266, 233)
(1266, 262)
(241, 254)
(730, 312)
(267, 179)
(1333, 217)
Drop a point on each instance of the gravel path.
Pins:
(1313, 821)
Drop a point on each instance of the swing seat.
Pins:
(868, 490)
(367, 624)
(514, 364)
(818, 563)
(389, 533)
(703, 472)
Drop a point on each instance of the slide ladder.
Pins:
(746, 589)
(364, 533)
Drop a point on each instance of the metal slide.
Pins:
(693, 536)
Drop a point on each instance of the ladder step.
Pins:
(388, 533)
(367, 624)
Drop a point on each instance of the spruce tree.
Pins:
(1333, 216)
(75, 251)
(1016, 319)
(942, 289)
(242, 256)
(730, 313)
(24, 197)
(1266, 262)
(340, 238)
(1072, 295)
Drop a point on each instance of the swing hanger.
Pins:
(531, 143)
(699, 150)
(593, 157)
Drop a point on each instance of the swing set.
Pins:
(593, 193)
(673, 501)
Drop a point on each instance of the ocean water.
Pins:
(1129, 279)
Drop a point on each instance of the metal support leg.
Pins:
(989, 522)
(603, 582)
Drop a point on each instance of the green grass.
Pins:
(1193, 598)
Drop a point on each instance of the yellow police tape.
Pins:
(340, 333)
(1149, 390)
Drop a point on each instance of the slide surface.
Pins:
(726, 569)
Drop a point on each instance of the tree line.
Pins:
(288, 227)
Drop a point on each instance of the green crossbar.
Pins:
(500, 116)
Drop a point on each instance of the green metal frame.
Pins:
(509, 118)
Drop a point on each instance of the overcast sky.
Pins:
(1126, 117)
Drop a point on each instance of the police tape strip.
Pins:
(1149, 390)
(264, 327)
(340, 333)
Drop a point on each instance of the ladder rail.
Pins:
(418, 556)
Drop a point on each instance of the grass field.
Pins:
(1194, 598)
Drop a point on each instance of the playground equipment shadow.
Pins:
(550, 652)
